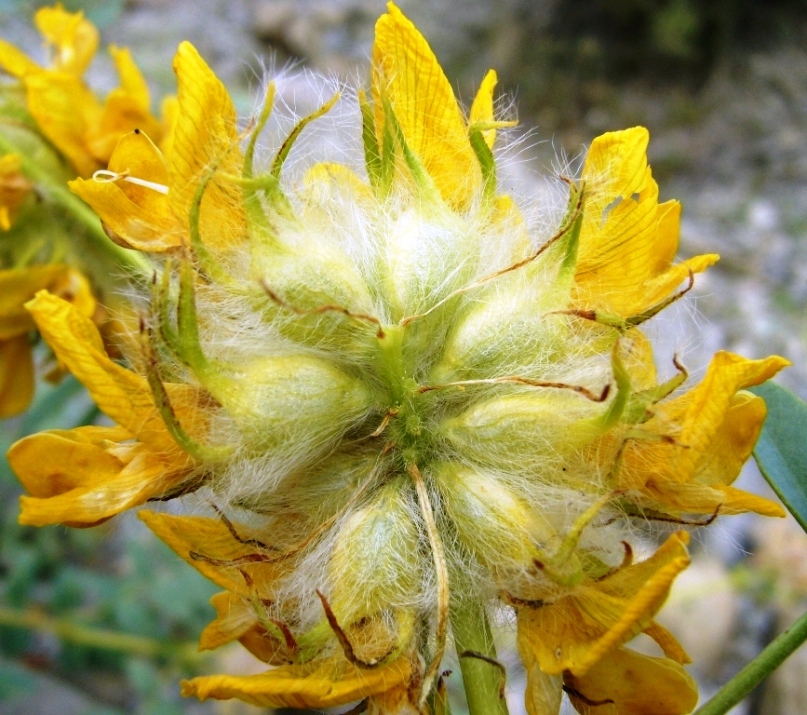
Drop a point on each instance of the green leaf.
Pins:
(781, 450)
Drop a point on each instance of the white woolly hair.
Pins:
(303, 399)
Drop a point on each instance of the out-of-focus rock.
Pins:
(702, 612)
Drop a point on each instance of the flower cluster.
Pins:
(408, 399)
(53, 127)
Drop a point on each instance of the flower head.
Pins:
(401, 397)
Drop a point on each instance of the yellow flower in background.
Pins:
(14, 189)
(16, 324)
(67, 112)
(401, 398)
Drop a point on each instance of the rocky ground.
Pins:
(729, 140)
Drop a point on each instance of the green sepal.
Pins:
(638, 410)
(372, 151)
(487, 163)
(285, 148)
(263, 117)
(206, 261)
(425, 184)
(187, 323)
(200, 452)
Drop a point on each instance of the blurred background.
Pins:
(104, 621)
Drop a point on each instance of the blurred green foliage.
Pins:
(113, 579)
(102, 12)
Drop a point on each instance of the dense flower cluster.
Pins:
(408, 398)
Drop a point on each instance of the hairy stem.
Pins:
(757, 670)
(482, 679)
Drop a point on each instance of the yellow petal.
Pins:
(628, 240)
(16, 62)
(668, 643)
(326, 179)
(318, 684)
(118, 392)
(627, 683)
(709, 402)
(65, 109)
(234, 618)
(615, 167)
(16, 376)
(14, 188)
(132, 81)
(482, 106)
(169, 110)
(713, 430)
(75, 39)
(121, 114)
(18, 285)
(575, 631)
(406, 71)
(217, 552)
(205, 136)
(544, 692)
(135, 215)
(57, 461)
(101, 492)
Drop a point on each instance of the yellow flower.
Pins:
(83, 129)
(16, 361)
(14, 189)
(82, 477)
(406, 401)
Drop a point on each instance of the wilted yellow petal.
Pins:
(97, 492)
(318, 684)
(234, 617)
(74, 38)
(65, 110)
(16, 376)
(58, 461)
(205, 136)
(668, 643)
(118, 392)
(627, 683)
(544, 692)
(222, 556)
(406, 71)
(19, 285)
(710, 431)
(574, 632)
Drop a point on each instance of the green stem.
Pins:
(96, 637)
(483, 681)
(129, 260)
(757, 670)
